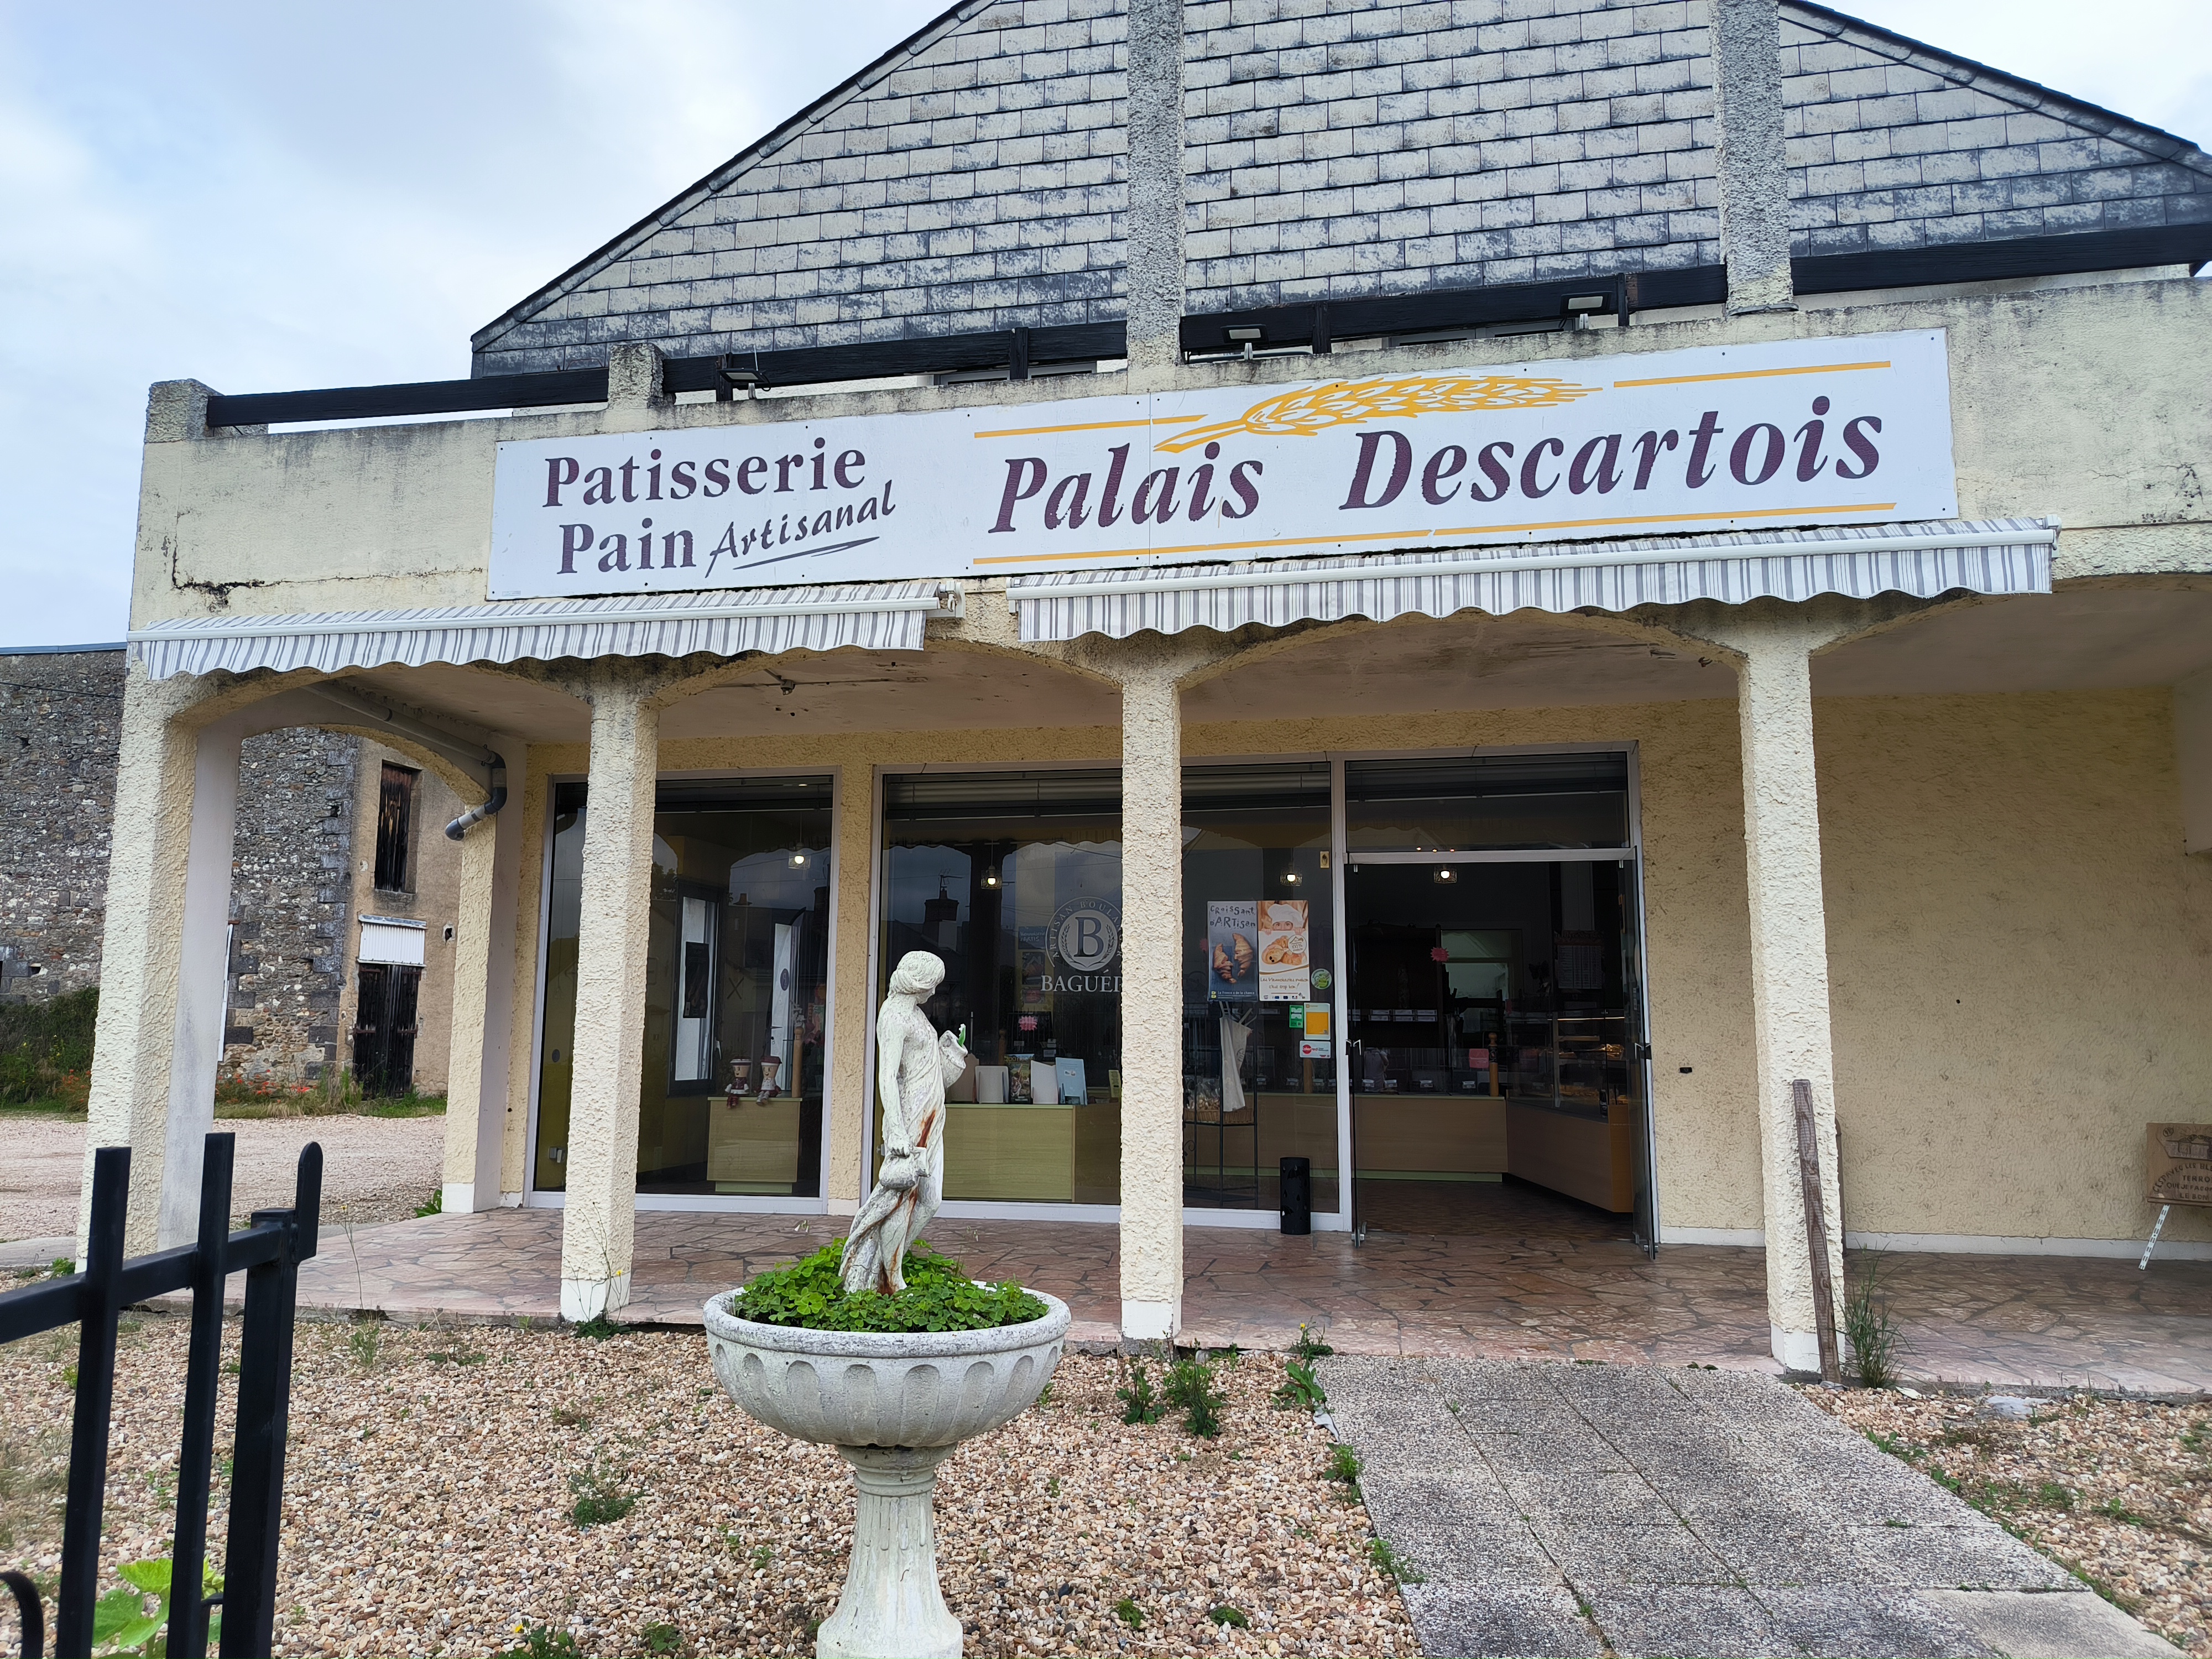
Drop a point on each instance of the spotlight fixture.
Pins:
(991, 877)
(736, 376)
(1289, 878)
(1446, 875)
(799, 860)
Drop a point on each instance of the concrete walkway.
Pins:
(2015, 1322)
(1581, 1509)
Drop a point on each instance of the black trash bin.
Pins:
(1296, 1189)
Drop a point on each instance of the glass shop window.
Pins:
(395, 827)
(1486, 803)
(735, 1051)
(1259, 1037)
(1014, 879)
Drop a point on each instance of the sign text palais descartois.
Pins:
(1807, 432)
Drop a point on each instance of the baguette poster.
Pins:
(1285, 957)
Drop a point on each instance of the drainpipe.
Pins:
(461, 825)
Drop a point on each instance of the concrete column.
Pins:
(1788, 963)
(162, 968)
(484, 1000)
(1754, 178)
(599, 1226)
(1151, 996)
(1156, 184)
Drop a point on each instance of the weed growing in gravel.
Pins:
(1129, 1613)
(1052, 1486)
(761, 1556)
(1310, 1347)
(940, 1296)
(1869, 1326)
(2055, 1496)
(1301, 1390)
(458, 1357)
(1384, 1554)
(365, 1340)
(1191, 1389)
(1235, 1618)
(540, 1642)
(598, 1328)
(1343, 1467)
(569, 1417)
(1140, 1404)
(433, 1205)
(663, 1638)
(598, 1498)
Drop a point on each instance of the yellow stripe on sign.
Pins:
(1752, 374)
(1087, 426)
(1677, 518)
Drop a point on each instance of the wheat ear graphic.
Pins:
(1347, 403)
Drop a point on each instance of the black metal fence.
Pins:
(269, 1252)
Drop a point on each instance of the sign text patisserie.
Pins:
(1806, 432)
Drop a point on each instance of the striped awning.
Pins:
(875, 616)
(2003, 556)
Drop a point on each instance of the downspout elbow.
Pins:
(461, 825)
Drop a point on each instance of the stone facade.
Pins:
(60, 721)
(303, 870)
(976, 178)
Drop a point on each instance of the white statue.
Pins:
(913, 1067)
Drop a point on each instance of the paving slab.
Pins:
(2060, 1625)
(1674, 1512)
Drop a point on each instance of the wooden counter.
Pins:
(1017, 1152)
(1429, 1134)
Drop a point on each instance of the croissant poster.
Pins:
(1848, 430)
(1285, 965)
(1232, 950)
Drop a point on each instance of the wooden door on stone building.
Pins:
(384, 1027)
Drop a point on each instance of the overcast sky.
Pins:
(269, 197)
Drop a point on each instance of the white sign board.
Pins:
(1801, 432)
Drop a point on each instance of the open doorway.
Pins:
(1496, 1046)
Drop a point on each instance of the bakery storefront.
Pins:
(1497, 793)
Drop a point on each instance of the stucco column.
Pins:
(1788, 961)
(599, 1226)
(845, 1178)
(1151, 996)
(484, 1000)
(163, 967)
(1748, 151)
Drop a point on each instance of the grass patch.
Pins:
(1139, 1402)
(1191, 1389)
(1869, 1326)
(1384, 1554)
(600, 1498)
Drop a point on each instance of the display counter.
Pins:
(752, 1146)
(1429, 1134)
(1016, 1151)
(1582, 1149)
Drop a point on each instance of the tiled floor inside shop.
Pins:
(1553, 1290)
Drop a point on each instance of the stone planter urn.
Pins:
(894, 1406)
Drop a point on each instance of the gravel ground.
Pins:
(375, 1169)
(429, 1497)
(2118, 1491)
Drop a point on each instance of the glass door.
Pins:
(1494, 1008)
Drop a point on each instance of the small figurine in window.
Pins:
(770, 1066)
(740, 1076)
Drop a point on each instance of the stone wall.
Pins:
(60, 717)
(290, 902)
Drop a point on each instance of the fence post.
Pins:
(98, 1309)
(1816, 1230)
(188, 1612)
(265, 1394)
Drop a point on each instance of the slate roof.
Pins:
(975, 178)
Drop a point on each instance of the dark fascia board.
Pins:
(670, 210)
(1989, 261)
(942, 353)
(2167, 146)
(1320, 323)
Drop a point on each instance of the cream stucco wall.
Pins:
(2021, 960)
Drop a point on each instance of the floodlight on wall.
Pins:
(735, 376)
(1246, 336)
(1446, 875)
